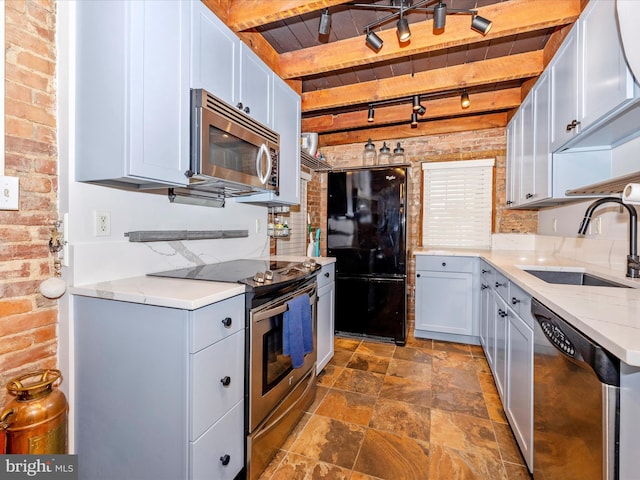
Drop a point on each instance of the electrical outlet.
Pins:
(9, 190)
(258, 225)
(102, 224)
(598, 226)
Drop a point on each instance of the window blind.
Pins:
(457, 204)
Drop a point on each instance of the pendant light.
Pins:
(464, 99)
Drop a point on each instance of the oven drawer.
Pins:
(211, 368)
(216, 321)
(208, 453)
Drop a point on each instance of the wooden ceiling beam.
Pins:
(437, 108)
(495, 70)
(509, 18)
(246, 14)
(435, 127)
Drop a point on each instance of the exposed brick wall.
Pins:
(490, 143)
(28, 321)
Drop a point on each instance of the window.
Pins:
(457, 204)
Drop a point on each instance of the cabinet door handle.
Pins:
(226, 381)
(484, 287)
(227, 322)
(485, 271)
(509, 202)
(327, 274)
(247, 110)
(444, 264)
(225, 459)
(498, 284)
(572, 125)
(529, 195)
(502, 313)
(514, 301)
(239, 105)
(418, 275)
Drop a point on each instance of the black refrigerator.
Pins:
(366, 219)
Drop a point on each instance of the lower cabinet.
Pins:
(508, 346)
(446, 305)
(326, 315)
(159, 391)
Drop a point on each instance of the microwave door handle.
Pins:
(263, 153)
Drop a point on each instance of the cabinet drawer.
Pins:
(501, 286)
(327, 275)
(211, 368)
(208, 453)
(519, 300)
(445, 263)
(211, 323)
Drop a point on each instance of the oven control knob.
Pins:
(309, 263)
(259, 277)
(268, 275)
(226, 381)
(225, 459)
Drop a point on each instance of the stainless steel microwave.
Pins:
(231, 153)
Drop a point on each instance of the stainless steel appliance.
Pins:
(576, 403)
(277, 395)
(231, 153)
(366, 233)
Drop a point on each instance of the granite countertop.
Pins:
(609, 316)
(171, 292)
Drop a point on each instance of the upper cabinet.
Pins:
(136, 64)
(132, 93)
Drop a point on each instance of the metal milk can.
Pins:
(35, 421)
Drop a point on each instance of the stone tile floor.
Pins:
(426, 411)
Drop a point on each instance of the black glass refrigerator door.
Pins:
(371, 307)
(366, 221)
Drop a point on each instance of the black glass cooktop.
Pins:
(238, 271)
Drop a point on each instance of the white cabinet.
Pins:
(159, 391)
(132, 93)
(542, 158)
(326, 315)
(446, 305)
(508, 347)
(255, 95)
(215, 64)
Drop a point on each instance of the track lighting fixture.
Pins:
(404, 34)
(439, 16)
(374, 41)
(439, 11)
(464, 99)
(417, 107)
(325, 22)
(481, 24)
(371, 114)
(414, 120)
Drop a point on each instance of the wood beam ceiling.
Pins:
(495, 70)
(509, 18)
(245, 14)
(439, 108)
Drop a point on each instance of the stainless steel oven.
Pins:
(278, 394)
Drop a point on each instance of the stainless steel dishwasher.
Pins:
(576, 403)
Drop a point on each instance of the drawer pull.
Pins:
(484, 287)
(574, 124)
(514, 301)
(226, 381)
(485, 271)
(225, 459)
(418, 275)
(502, 313)
(227, 322)
(444, 264)
(498, 284)
(327, 274)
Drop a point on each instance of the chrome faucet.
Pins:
(633, 262)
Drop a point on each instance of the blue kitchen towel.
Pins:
(297, 331)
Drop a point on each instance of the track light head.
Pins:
(481, 24)
(416, 103)
(325, 22)
(439, 16)
(404, 34)
(464, 99)
(421, 110)
(371, 114)
(374, 41)
(414, 120)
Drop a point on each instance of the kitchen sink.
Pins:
(573, 278)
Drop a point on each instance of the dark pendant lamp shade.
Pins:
(481, 24)
(371, 114)
(325, 22)
(414, 120)
(439, 16)
(404, 34)
(374, 41)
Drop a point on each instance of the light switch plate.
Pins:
(9, 193)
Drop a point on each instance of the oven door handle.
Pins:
(272, 312)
